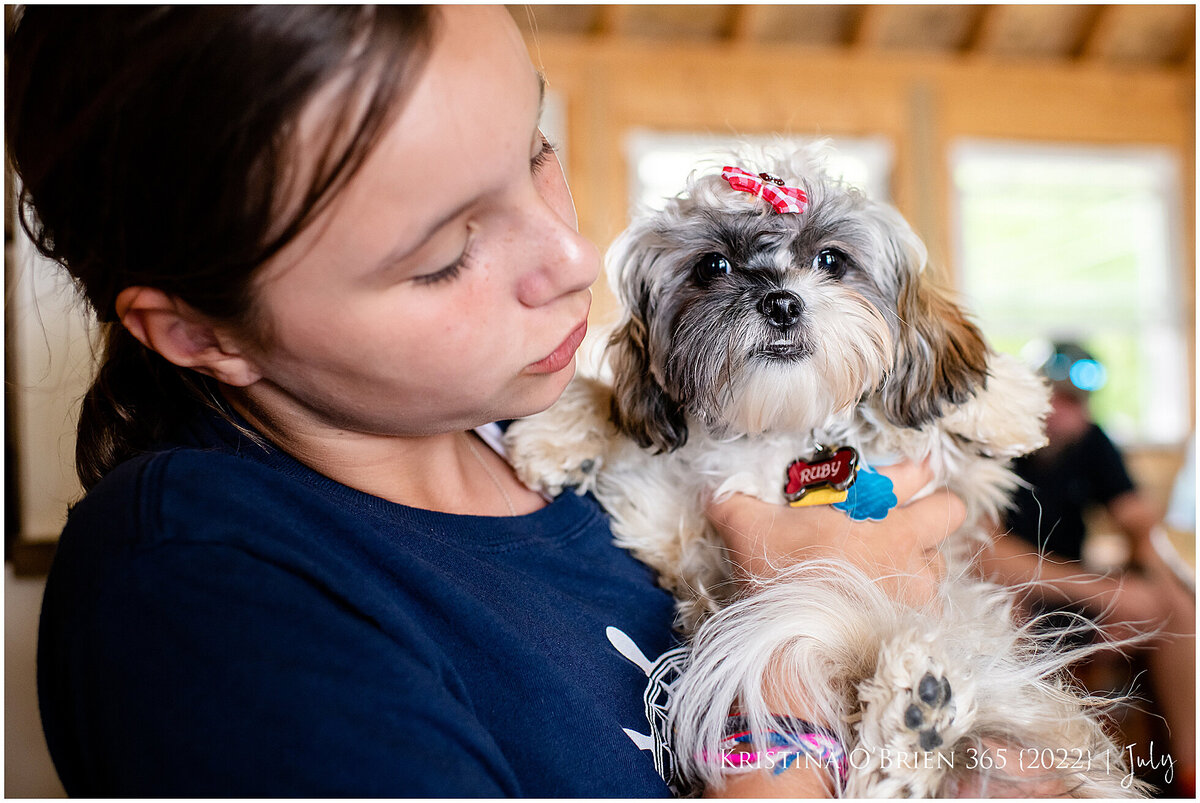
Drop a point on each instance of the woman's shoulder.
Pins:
(183, 493)
(206, 529)
(192, 574)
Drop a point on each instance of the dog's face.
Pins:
(753, 321)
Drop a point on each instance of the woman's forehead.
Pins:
(469, 118)
(469, 121)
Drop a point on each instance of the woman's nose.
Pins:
(562, 261)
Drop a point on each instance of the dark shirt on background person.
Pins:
(1064, 485)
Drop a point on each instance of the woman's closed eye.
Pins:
(447, 273)
(452, 270)
(540, 159)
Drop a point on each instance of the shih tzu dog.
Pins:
(779, 338)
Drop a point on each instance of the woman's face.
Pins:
(448, 285)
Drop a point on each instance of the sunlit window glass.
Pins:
(1078, 244)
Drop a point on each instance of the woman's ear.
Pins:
(184, 336)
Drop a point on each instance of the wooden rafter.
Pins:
(745, 23)
(1154, 37)
(982, 30)
(611, 20)
(1187, 43)
(1095, 31)
(864, 28)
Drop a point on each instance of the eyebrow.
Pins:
(395, 255)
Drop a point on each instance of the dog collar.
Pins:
(835, 477)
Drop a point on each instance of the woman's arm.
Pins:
(1120, 599)
(800, 781)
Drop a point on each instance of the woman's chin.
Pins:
(547, 390)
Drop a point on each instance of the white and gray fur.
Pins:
(825, 331)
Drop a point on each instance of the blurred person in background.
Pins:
(1042, 542)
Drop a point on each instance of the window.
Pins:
(660, 162)
(1079, 244)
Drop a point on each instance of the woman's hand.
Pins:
(763, 538)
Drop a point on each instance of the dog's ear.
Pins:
(941, 358)
(640, 407)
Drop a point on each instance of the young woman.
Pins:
(327, 245)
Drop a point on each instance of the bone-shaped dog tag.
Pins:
(822, 479)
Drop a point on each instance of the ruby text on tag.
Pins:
(835, 471)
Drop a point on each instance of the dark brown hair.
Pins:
(156, 146)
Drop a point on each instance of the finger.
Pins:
(750, 528)
(933, 518)
(748, 525)
(908, 477)
(759, 533)
(733, 508)
(741, 518)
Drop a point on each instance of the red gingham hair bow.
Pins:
(770, 188)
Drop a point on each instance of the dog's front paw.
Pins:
(566, 445)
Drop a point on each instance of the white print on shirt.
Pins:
(662, 675)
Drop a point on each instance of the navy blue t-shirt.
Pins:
(221, 620)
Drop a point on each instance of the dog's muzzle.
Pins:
(782, 310)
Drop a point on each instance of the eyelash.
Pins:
(449, 272)
(542, 157)
(452, 271)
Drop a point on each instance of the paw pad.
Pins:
(928, 710)
(933, 691)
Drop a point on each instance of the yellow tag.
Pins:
(820, 496)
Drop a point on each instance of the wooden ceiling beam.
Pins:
(611, 21)
(745, 24)
(1095, 31)
(865, 27)
(1187, 47)
(982, 30)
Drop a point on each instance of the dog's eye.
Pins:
(711, 266)
(831, 261)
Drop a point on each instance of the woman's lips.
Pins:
(561, 357)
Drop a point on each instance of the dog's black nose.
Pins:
(782, 308)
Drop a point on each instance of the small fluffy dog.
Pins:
(778, 339)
